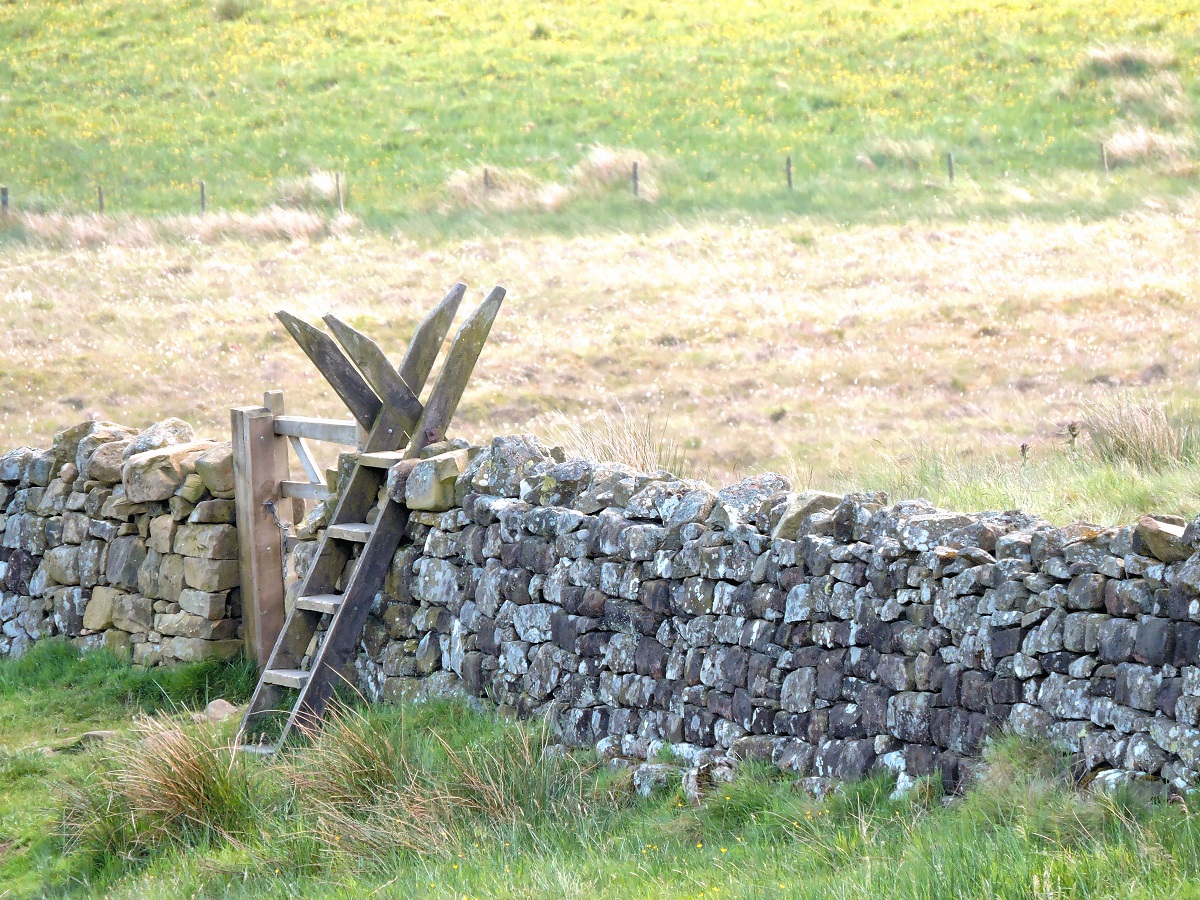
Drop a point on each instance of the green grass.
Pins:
(146, 98)
(48, 699)
(437, 800)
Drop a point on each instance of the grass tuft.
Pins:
(1130, 145)
(230, 10)
(168, 784)
(1139, 430)
(638, 439)
(908, 154)
(1127, 59)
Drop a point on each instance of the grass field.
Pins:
(438, 801)
(913, 358)
(145, 98)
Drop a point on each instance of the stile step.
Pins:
(350, 531)
(321, 603)
(289, 678)
(380, 459)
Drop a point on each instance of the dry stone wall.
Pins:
(120, 538)
(832, 635)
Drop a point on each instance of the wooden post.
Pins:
(203, 198)
(337, 184)
(4, 201)
(273, 400)
(100, 198)
(487, 180)
(788, 169)
(1104, 158)
(635, 180)
(260, 542)
(950, 164)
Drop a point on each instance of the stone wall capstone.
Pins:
(832, 635)
(123, 539)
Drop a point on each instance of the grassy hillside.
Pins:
(917, 358)
(866, 96)
(436, 800)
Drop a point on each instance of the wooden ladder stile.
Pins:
(340, 586)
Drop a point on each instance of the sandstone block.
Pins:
(162, 434)
(184, 624)
(1163, 539)
(162, 533)
(207, 541)
(132, 613)
(190, 649)
(215, 468)
(62, 564)
(210, 574)
(210, 605)
(98, 615)
(430, 485)
(157, 474)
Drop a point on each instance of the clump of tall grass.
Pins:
(906, 153)
(373, 783)
(1131, 144)
(230, 10)
(603, 170)
(1161, 96)
(1140, 430)
(316, 190)
(1126, 59)
(504, 190)
(638, 439)
(88, 231)
(167, 784)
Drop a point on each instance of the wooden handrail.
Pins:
(331, 431)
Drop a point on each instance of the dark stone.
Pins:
(472, 673)
(1187, 644)
(1155, 643)
(1168, 694)
(792, 724)
(1006, 642)
(21, 567)
(1059, 661)
(592, 603)
(976, 692)
(1116, 640)
(742, 709)
(1005, 690)
(856, 760)
(845, 721)
(876, 635)
(656, 596)
(650, 658)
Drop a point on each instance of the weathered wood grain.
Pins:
(427, 340)
(456, 372)
(378, 372)
(332, 363)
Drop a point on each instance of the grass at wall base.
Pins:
(435, 800)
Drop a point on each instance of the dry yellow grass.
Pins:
(797, 344)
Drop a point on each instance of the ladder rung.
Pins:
(351, 531)
(380, 459)
(290, 678)
(260, 749)
(322, 603)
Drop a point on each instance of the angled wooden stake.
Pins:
(456, 372)
(377, 370)
(427, 340)
(350, 386)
